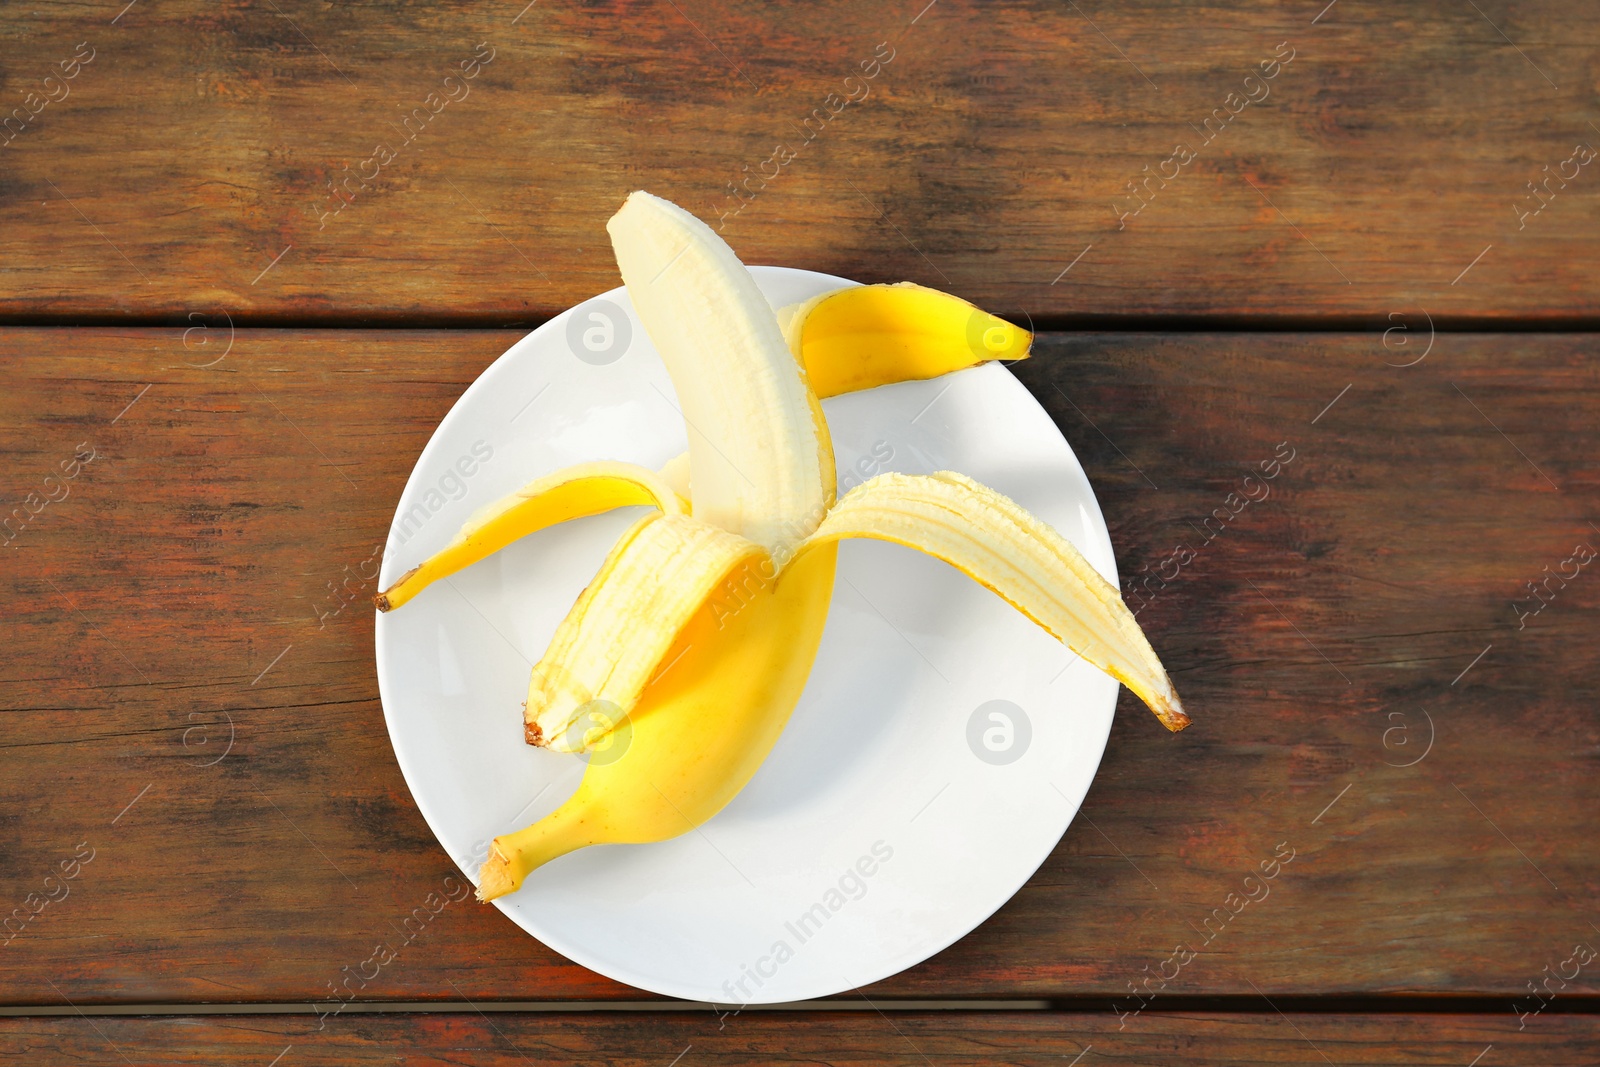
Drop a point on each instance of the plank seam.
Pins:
(1245, 1004)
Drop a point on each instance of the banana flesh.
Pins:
(676, 474)
(761, 464)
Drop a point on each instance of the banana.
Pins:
(690, 649)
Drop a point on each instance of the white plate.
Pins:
(875, 815)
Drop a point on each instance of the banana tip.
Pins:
(381, 601)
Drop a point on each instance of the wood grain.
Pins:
(191, 164)
(838, 1038)
(178, 585)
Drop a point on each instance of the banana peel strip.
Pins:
(572, 493)
(988, 537)
(865, 336)
(615, 639)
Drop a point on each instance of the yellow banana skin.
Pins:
(572, 493)
(699, 732)
(871, 335)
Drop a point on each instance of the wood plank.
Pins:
(178, 585)
(653, 1039)
(190, 165)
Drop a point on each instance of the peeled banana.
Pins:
(652, 646)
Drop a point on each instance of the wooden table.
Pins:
(244, 277)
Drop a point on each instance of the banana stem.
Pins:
(513, 855)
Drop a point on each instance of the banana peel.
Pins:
(573, 493)
(865, 336)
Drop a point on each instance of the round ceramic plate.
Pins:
(941, 747)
